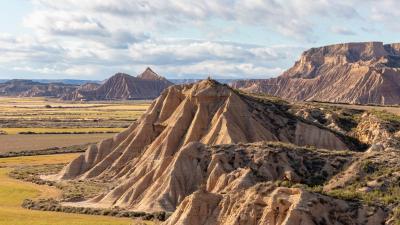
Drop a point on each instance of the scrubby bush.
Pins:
(55, 206)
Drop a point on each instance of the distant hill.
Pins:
(121, 86)
(64, 81)
(362, 73)
(29, 88)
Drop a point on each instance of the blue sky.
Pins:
(93, 39)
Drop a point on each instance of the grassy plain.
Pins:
(13, 192)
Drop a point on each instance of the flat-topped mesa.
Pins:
(362, 73)
(145, 157)
(338, 54)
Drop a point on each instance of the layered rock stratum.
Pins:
(121, 86)
(213, 155)
(362, 73)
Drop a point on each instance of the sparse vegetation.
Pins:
(53, 205)
(48, 151)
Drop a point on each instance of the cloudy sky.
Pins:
(93, 39)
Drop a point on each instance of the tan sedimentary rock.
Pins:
(157, 166)
(266, 204)
(366, 73)
(371, 129)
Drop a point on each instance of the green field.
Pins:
(13, 192)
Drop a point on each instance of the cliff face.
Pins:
(365, 73)
(157, 165)
(147, 85)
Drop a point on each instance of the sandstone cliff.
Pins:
(364, 73)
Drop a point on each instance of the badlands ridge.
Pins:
(361, 73)
(212, 155)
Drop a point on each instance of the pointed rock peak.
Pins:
(149, 74)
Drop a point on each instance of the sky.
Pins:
(94, 39)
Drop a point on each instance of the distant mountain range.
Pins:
(362, 73)
(28, 88)
(63, 81)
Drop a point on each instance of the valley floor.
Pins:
(22, 142)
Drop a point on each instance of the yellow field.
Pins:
(48, 114)
(41, 130)
(13, 192)
(45, 116)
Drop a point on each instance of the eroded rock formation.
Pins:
(147, 85)
(365, 73)
(156, 166)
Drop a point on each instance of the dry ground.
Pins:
(20, 142)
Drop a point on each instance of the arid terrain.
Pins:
(355, 73)
(205, 153)
(208, 148)
(179, 112)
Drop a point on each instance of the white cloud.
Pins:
(180, 37)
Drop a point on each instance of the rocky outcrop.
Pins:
(80, 92)
(156, 165)
(371, 129)
(266, 204)
(363, 73)
(147, 85)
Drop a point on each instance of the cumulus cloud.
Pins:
(180, 37)
(290, 17)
